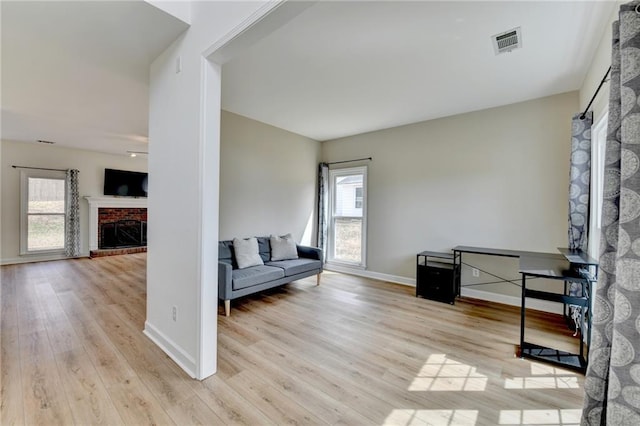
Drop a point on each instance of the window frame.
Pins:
(25, 175)
(598, 152)
(333, 174)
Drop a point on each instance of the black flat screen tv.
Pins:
(124, 183)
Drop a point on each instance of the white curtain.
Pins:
(72, 225)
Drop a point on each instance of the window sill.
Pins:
(40, 253)
(345, 265)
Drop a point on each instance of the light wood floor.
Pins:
(352, 351)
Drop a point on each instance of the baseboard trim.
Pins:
(539, 305)
(370, 274)
(176, 353)
(32, 259)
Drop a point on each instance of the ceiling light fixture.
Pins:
(135, 153)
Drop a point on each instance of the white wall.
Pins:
(599, 65)
(268, 180)
(179, 9)
(91, 165)
(493, 178)
(184, 126)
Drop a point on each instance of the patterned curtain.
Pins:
(323, 207)
(72, 225)
(612, 384)
(579, 189)
(579, 181)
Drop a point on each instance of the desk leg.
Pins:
(522, 315)
(457, 271)
(581, 334)
(589, 316)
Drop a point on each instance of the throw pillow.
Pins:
(283, 248)
(247, 252)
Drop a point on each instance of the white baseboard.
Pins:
(370, 274)
(36, 258)
(176, 353)
(539, 305)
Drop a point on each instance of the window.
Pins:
(347, 224)
(43, 212)
(598, 148)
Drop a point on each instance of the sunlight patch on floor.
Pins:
(544, 377)
(548, 370)
(542, 383)
(541, 417)
(432, 418)
(442, 374)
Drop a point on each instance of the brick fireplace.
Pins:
(122, 227)
(117, 225)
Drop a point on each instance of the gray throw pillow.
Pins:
(247, 252)
(283, 248)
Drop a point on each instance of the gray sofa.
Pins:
(234, 282)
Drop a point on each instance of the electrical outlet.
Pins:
(174, 313)
(474, 271)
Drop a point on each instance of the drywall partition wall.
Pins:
(494, 178)
(267, 180)
(599, 65)
(183, 195)
(91, 165)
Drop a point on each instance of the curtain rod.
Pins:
(39, 168)
(584, 114)
(351, 161)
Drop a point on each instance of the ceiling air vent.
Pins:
(47, 142)
(507, 41)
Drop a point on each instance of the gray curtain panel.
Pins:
(72, 225)
(323, 207)
(612, 384)
(579, 190)
(579, 181)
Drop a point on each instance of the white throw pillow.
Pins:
(247, 253)
(283, 248)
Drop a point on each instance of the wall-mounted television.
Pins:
(125, 183)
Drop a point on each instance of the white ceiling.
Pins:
(77, 72)
(344, 68)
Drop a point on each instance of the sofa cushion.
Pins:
(283, 248)
(264, 249)
(246, 251)
(296, 266)
(243, 278)
(225, 253)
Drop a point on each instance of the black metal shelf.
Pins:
(560, 270)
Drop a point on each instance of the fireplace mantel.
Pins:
(107, 202)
